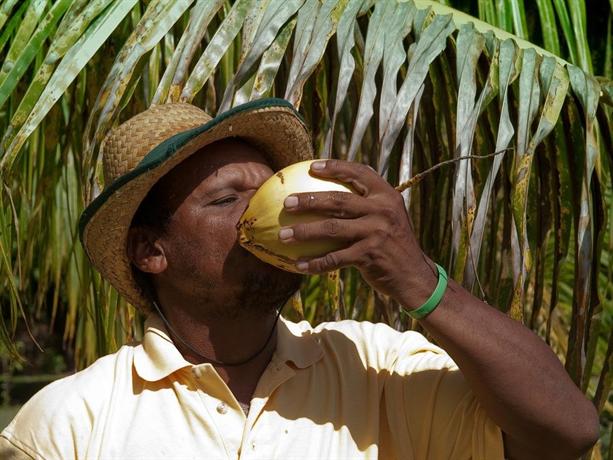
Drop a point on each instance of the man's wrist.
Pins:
(435, 298)
(420, 285)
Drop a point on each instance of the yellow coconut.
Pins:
(259, 225)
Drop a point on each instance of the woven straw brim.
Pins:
(272, 125)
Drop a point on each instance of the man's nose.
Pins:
(247, 195)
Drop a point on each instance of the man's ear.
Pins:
(145, 250)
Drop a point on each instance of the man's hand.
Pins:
(374, 226)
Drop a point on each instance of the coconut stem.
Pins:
(417, 178)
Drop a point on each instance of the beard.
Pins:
(267, 289)
(261, 290)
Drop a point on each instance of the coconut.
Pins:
(259, 226)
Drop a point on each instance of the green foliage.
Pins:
(399, 85)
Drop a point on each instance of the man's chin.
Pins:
(267, 287)
(259, 287)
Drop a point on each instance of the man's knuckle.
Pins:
(330, 260)
(339, 198)
(380, 234)
(309, 201)
(399, 199)
(367, 256)
(390, 214)
(368, 169)
(338, 202)
(399, 204)
(333, 164)
(332, 227)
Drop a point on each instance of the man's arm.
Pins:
(514, 375)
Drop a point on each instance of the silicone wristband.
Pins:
(435, 298)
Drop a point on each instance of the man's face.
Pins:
(205, 196)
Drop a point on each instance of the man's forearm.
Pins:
(513, 373)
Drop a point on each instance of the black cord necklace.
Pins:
(210, 360)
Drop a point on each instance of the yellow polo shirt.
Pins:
(342, 390)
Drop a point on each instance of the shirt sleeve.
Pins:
(432, 413)
(10, 451)
(52, 425)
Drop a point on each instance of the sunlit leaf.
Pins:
(5, 10)
(271, 20)
(587, 91)
(373, 53)
(508, 69)
(216, 48)
(270, 62)
(345, 40)
(12, 71)
(175, 74)
(37, 102)
(309, 50)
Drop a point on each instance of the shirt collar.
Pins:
(297, 343)
(157, 357)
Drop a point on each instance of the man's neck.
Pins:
(226, 333)
(221, 338)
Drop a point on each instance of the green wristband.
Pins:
(435, 298)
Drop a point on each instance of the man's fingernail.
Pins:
(302, 266)
(318, 165)
(286, 233)
(291, 202)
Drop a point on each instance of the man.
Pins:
(219, 375)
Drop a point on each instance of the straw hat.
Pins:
(140, 151)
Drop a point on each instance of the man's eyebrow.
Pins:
(229, 183)
(228, 179)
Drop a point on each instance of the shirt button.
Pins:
(222, 408)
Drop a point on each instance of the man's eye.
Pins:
(223, 201)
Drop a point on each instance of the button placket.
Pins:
(217, 404)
